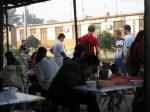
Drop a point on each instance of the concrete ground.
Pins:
(124, 107)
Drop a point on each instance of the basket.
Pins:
(106, 83)
(135, 78)
(120, 80)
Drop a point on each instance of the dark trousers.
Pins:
(72, 101)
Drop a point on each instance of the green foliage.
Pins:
(32, 42)
(13, 18)
(15, 51)
(105, 40)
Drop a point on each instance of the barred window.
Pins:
(97, 28)
(141, 24)
(43, 33)
(118, 24)
(21, 33)
(32, 31)
(78, 30)
(58, 30)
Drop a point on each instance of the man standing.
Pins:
(127, 44)
(119, 50)
(58, 50)
(89, 41)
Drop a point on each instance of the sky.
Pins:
(62, 10)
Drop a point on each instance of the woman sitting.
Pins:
(11, 74)
(46, 69)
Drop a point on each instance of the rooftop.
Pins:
(8, 4)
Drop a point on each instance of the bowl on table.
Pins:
(136, 82)
(91, 83)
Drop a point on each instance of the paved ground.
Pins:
(124, 107)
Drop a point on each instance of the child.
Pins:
(115, 94)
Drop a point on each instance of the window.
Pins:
(78, 30)
(97, 28)
(118, 24)
(43, 33)
(141, 24)
(58, 30)
(32, 32)
(134, 27)
(21, 33)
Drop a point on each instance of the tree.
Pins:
(32, 19)
(32, 42)
(105, 41)
(13, 18)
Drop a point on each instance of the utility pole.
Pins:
(116, 7)
(83, 10)
(7, 32)
(25, 22)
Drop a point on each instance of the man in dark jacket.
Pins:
(71, 74)
(23, 48)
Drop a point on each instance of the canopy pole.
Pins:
(1, 34)
(25, 23)
(147, 54)
(75, 21)
(7, 36)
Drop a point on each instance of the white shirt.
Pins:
(128, 42)
(58, 48)
(119, 50)
(46, 71)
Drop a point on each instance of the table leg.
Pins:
(12, 108)
(97, 98)
(104, 102)
(128, 107)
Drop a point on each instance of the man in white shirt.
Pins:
(46, 71)
(127, 44)
(58, 50)
(46, 68)
(119, 50)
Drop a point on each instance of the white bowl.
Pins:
(136, 82)
(91, 84)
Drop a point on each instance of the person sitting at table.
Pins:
(46, 69)
(115, 69)
(11, 74)
(79, 52)
(71, 74)
(34, 87)
(32, 63)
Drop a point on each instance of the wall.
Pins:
(106, 24)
